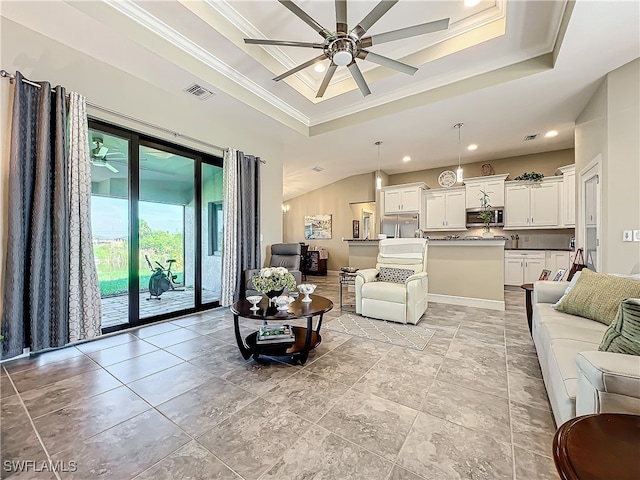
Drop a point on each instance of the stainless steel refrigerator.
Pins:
(400, 226)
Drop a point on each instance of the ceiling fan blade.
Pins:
(327, 78)
(102, 152)
(374, 15)
(301, 67)
(306, 18)
(357, 76)
(282, 43)
(111, 167)
(341, 16)
(407, 32)
(387, 62)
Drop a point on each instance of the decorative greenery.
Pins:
(532, 177)
(485, 214)
(274, 278)
(112, 259)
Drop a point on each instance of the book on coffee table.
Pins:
(275, 334)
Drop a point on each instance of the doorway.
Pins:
(590, 218)
(149, 215)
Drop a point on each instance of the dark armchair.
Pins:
(287, 255)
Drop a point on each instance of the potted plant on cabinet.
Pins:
(485, 214)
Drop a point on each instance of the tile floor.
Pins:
(176, 400)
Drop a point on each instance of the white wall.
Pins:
(219, 121)
(609, 126)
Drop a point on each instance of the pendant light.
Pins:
(459, 169)
(378, 177)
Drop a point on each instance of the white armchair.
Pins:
(404, 298)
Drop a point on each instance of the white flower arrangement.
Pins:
(273, 278)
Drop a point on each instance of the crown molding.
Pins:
(224, 8)
(153, 24)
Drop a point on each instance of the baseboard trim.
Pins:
(467, 301)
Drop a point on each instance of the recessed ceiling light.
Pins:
(319, 68)
(472, 147)
(406, 158)
(471, 3)
(551, 133)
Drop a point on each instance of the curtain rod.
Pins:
(12, 77)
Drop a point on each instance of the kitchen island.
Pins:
(467, 272)
(461, 271)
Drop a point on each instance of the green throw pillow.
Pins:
(623, 335)
(597, 296)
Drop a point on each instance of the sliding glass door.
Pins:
(156, 221)
(166, 231)
(110, 223)
(212, 223)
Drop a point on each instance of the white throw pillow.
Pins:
(572, 284)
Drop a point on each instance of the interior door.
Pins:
(590, 197)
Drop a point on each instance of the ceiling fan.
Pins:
(344, 46)
(99, 155)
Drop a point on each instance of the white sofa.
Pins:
(580, 379)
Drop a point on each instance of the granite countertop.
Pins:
(360, 240)
(541, 249)
(466, 239)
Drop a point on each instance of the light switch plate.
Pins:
(627, 236)
(636, 235)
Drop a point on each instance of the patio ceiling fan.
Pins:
(344, 46)
(99, 155)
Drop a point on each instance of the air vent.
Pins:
(199, 91)
(531, 137)
(317, 169)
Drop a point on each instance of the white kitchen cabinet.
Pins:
(403, 198)
(532, 205)
(523, 266)
(568, 196)
(555, 260)
(446, 209)
(493, 185)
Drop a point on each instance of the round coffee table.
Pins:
(604, 446)
(306, 338)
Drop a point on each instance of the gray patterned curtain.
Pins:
(241, 210)
(85, 307)
(248, 218)
(36, 277)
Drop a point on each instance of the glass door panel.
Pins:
(212, 223)
(166, 222)
(110, 223)
(591, 223)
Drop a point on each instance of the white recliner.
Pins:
(387, 300)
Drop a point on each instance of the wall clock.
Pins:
(447, 179)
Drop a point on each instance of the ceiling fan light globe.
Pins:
(342, 58)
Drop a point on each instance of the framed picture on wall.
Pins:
(317, 227)
(356, 229)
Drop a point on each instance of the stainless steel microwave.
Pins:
(474, 220)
